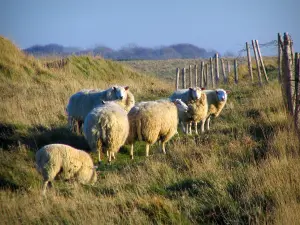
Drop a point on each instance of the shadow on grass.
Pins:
(38, 136)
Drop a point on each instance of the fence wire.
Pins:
(241, 59)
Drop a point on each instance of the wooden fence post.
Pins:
(196, 75)
(223, 71)
(261, 60)
(206, 75)
(249, 62)
(292, 50)
(297, 89)
(212, 73)
(217, 68)
(228, 67)
(202, 75)
(279, 60)
(236, 75)
(177, 78)
(287, 73)
(257, 62)
(190, 76)
(183, 78)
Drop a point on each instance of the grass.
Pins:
(244, 171)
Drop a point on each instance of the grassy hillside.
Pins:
(166, 69)
(246, 170)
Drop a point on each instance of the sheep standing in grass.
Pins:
(187, 96)
(216, 100)
(106, 128)
(197, 111)
(82, 102)
(152, 121)
(66, 161)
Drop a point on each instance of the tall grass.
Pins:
(244, 171)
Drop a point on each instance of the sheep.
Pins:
(186, 95)
(183, 115)
(151, 121)
(65, 161)
(82, 102)
(106, 128)
(197, 110)
(216, 100)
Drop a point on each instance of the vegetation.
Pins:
(129, 52)
(244, 171)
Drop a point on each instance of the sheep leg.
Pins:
(196, 129)
(76, 127)
(45, 186)
(109, 157)
(79, 126)
(99, 148)
(131, 151)
(190, 127)
(187, 128)
(182, 127)
(207, 123)
(113, 156)
(163, 147)
(147, 149)
(202, 126)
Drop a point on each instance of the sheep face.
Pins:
(221, 94)
(121, 92)
(195, 93)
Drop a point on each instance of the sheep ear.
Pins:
(103, 102)
(126, 88)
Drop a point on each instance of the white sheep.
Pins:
(82, 102)
(183, 115)
(186, 95)
(65, 161)
(152, 121)
(197, 111)
(216, 100)
(106, 128)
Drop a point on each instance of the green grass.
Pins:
(245, 170)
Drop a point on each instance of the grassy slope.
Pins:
(245, 170)
(166, 69)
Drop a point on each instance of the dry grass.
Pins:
(244, 171)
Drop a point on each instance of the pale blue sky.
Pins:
(213, 24)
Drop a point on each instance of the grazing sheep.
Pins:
(186, 95)
(216, 100)
(106, 128)
(82, 102)
(65, 161)
(152, 121)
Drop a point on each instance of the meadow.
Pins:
(245, 170)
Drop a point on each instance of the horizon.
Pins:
(150, 24)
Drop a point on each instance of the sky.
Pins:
(223, 25)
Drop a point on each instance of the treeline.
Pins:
(177, 51)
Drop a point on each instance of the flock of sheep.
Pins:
(111, 118)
